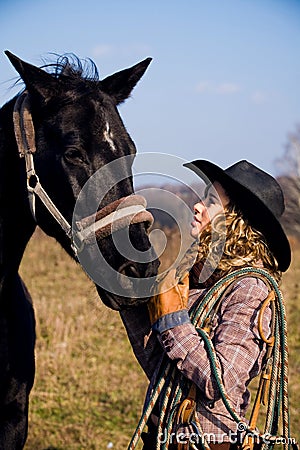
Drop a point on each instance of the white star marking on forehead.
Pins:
(108, 137)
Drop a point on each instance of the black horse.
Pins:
(78, 131)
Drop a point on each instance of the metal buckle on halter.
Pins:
(31, 175)
(77, 242)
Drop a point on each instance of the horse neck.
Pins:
(16, 222)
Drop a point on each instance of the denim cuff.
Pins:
(171, 320)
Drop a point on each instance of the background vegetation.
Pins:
(89, 389)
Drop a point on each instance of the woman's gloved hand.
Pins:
(172, 295)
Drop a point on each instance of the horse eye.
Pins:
(74, 155)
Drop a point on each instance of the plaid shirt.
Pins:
(237, 343)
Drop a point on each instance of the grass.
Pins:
(89, 389)
(291, 292)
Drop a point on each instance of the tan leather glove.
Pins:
(172, 296)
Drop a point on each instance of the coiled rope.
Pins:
(172, 386)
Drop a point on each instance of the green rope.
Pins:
(278, 390)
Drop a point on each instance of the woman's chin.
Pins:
(194, 232)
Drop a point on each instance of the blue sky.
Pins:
(224, 83)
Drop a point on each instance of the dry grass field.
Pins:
(89, 388)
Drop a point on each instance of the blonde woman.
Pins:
(236, 225)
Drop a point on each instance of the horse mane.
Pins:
(73, 68)
(77, 72)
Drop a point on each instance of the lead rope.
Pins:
(278, 398)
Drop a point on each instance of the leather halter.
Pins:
(118, 214)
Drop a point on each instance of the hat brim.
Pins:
(253, 209)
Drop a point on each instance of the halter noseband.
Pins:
(115, 216)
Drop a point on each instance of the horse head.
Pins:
(82, 160)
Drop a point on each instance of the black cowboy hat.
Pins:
(258, 196)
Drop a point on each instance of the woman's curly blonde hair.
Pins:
(228, 243)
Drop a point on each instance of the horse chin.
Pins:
(117, 302)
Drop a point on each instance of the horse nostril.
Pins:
(126, 271)
(129, 269)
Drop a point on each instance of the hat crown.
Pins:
(260, 183)
(259, 198)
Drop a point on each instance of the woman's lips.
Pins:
(195, 222)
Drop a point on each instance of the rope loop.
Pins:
(277, 376)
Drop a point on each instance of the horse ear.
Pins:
(120, 84)
(35, 79)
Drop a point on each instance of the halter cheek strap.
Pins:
(115, 216)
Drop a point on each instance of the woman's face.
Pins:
(213, 203)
